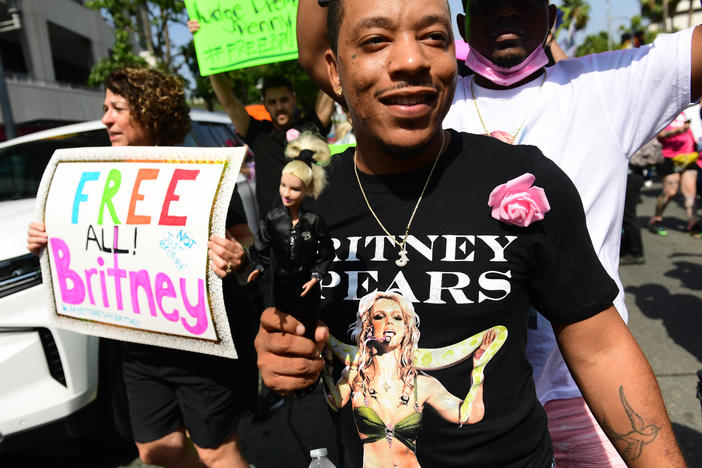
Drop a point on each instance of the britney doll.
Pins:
(295, 241)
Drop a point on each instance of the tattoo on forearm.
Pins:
(640, 435)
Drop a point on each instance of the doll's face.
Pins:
(388, 322)
(292, 190)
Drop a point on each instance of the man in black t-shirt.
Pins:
(267, 138)
(442, 247)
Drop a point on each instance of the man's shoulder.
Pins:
(340, 162)
(492, 147)
(257, 127)
(310, 122)
(491, 158)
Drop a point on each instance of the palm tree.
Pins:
(660, 11)
(577, 11)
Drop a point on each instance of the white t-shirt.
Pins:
(589, 116)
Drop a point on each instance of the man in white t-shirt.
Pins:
(578, 113)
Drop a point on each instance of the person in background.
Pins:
(171, 391)
(679, 172)
(267, 139)
(631, 251)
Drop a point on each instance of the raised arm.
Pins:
(324, 108)
(696, 71)
(312, 43)
(620, 389)
(223, 89)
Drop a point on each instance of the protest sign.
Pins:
(243, 33)
(127, 235)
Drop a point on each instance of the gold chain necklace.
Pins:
(402, 260)
(512, 138)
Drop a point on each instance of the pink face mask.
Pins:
(506, 76)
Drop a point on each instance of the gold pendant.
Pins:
(402, 261)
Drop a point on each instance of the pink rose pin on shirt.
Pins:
(518, 202)
(292, 134)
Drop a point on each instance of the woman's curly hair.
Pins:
(156, 102)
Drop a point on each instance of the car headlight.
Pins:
(19, 273)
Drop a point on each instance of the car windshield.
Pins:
(22, 165)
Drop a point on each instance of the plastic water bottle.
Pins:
(319, 459)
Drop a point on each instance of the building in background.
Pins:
(47, 53)
(687, 14)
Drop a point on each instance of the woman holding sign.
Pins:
(171, 390)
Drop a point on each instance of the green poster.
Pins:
(243, 33)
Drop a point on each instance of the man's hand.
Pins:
(226, 254)
(36, 238)
(287, 360)
(193, 26)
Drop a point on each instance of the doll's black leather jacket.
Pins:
(305, 250)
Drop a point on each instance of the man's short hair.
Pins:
(335, 12)
(275, 82)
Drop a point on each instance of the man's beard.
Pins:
(403, 153)
(508, 61)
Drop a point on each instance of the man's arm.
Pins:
(696, 67)
(312, 43)
(223, 89)
(620, 389)
(556, 52)
(231, 104)
(324, 108)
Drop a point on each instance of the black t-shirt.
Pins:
(235, 213)
(467, 273)
(268, 146)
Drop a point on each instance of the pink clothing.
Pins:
(578, 440)
(680, 143)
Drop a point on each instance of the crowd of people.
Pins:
(473, 230)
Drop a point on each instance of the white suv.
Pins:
(55, 383)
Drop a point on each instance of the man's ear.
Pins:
(461, 23)
(332, 70)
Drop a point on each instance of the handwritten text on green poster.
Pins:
(243, 33)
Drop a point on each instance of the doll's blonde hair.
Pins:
(313, 176)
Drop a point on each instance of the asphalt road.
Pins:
(664, 299)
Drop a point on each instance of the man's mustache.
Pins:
(406, 84)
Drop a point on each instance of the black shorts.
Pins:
(667, 167)
(168, 389)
